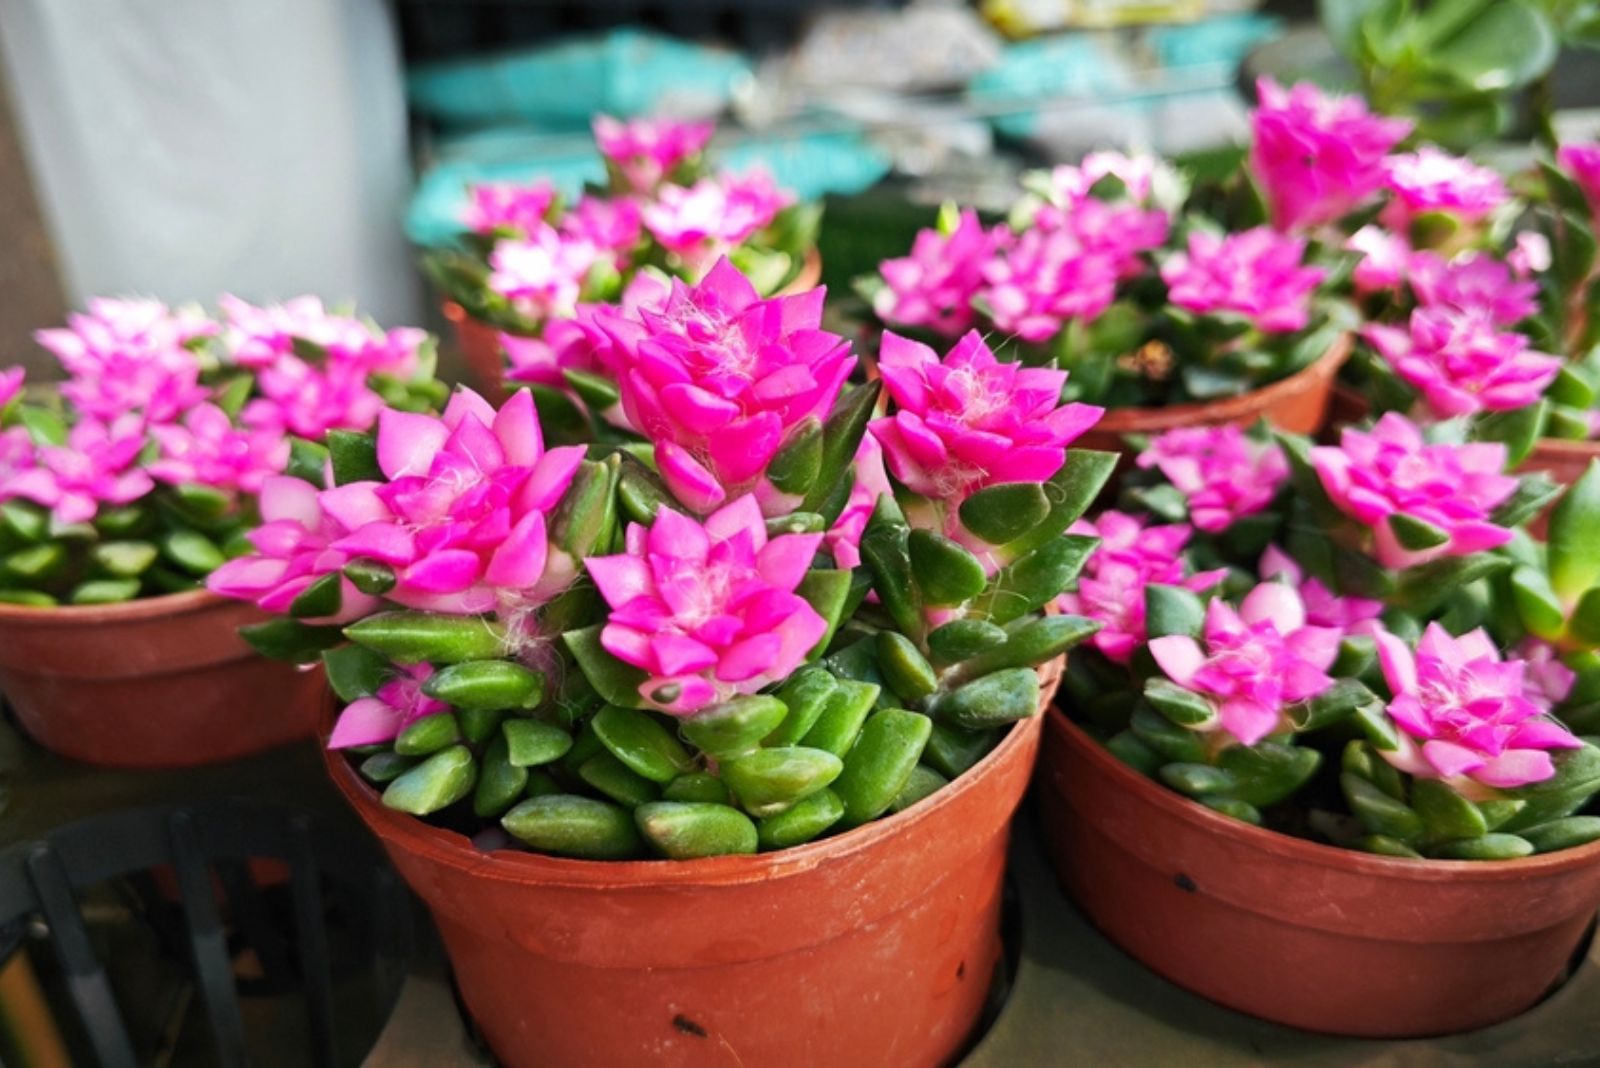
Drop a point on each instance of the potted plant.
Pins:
(1174, 300)
(707, 748)
(123, 486)
(1330, 771)
(530, 270)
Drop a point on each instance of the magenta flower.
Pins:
(1464, 714)
(1476, 284)
(1461, 364)
(1582, 163)
(1548, 681)
(843, 540)
(709, 611)
(1385, 259)
(703, 222)
(1324, 608)
(1225, 474)
(1256, 274)
(582, 343)
(208, 450)
(11, 384)
(542, 274)
(718, 377)
(99, 464)
(462, 517)
(1429, 180)
(271, 336)
(646, 151)
(613, 226)
(1317, 156)
(1045, 279)
(1120, 231)
(1530, 255)
(969, 421)
(297, 398)
(130, 356)
(294, 548)
(934, 286)
(1111, 587)
(1254, 663)
(1137, 173)
(1390, 470)
(18, 459)
(511, 209)
(381, 717)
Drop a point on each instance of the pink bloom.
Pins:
(703, 222)
(462, 516)
(843, 539)
(709, 611)
(1255, 662)
(1531, 255)
(271, 335)
(1225, 474)
(1324, 608)
(645, 151)
(581, 343)
(1255, 274)
(1582, 163)
(1464, 714)
(934, 286)
(297, 398)
(969, 421)
(613, 226)
(1137, 174)
(10, 384)
(1385, 259)
(18, 459)
(543, 274)
(508, 208)
(1461, 364)
(1390, 470)
(1549, 681)
(718, 377)
(1429, 180)
(1043, 280)
(208, 450)
(1111, 587)
(99, 464)
(1317, 156)
(1476, 284)
(1121, 231)
(380, 718)
(130, 356)
(294, 548)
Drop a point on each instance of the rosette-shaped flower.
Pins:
(934, 286)
(1465, 715)
(461, 518)
(1317, 156)
(1390, 471)
(582, 343)
(1475, 284)
(1225, 474)
(1582, 163)
(1256, 274)
(702, 222)
(542, 274)
(395, 706)
(1254, 662)
(208, 450)
(1043, 280)
(613, 226)
(1432, 181)
(969, 421)
(1130, 557)
(18, 457)
(130, 356)
(513, 209)
(1548, 681)
(1324, 608)
(260, 337)
(1120, 231)
(1137, 173)
(708, 612)
(718, 377)
(645, 151)
(1385, 259)
(298, 398)
(99, 464)
(1461, 364)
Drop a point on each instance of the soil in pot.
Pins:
(1301, 933)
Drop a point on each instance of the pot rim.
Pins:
(140, 608)
(455, 850)
(1166, 417)
(1563, 447)
(1304, 850)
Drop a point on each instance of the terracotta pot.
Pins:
(480, 343)
(163, 682)
(873, 948)
(1298, 404)
(1301, 933)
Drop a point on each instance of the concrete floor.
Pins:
(30, 289)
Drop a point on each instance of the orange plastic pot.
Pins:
(480, 342)
(1298, 404)
(876, 947)
(1301, 933)
(163, 682)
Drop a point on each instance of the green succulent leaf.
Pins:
(1005, 512)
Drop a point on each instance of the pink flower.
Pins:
(1530, 255)
(271, 335)
(1476, 284)
(1464, 714)
(294, 548)
(1045, 279)
(718, 377)
(208, 450)
(1582, 163)
(130, 356)
(934, 286)
(1137, 173)
(99, 464)
(1225, 474)
(703, 222)
(510, 209)
(1461, 364)
(462, 516)
(1385, 259)
(1324, 608)
(18, 459)
(1429, 180)
(709, 611)
(582, 343)
(11, 384)
(613, 226)
(645, 151)
(1130, 557)
(1317, 156)
(543, 274)
(1390, 470)
(380, 718)
(1256, 274)
(969, 421)
(1255, 662)
(1548, 680)
(843, 540)
(297, 398)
